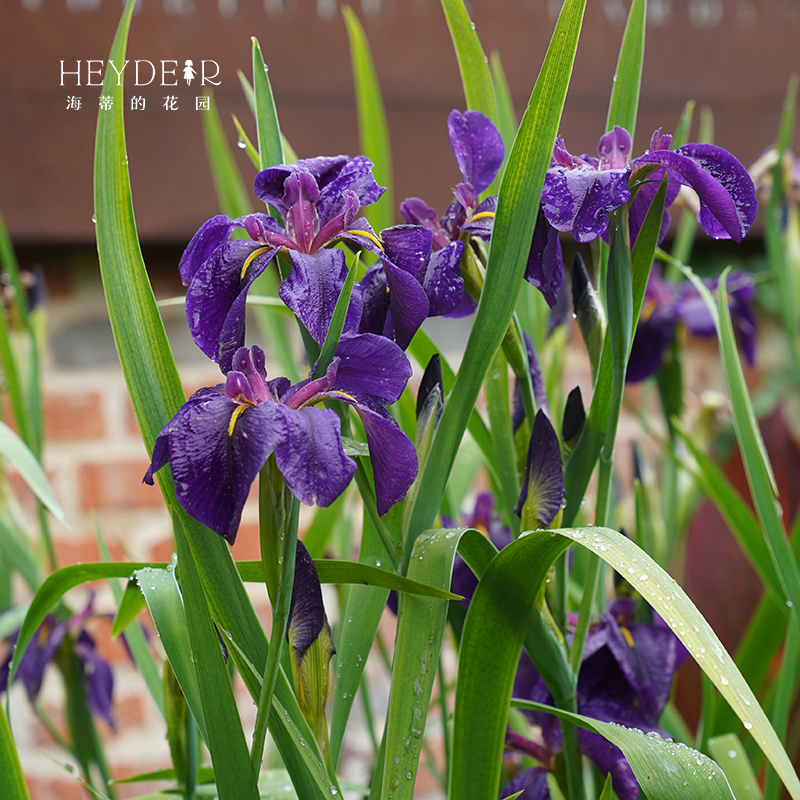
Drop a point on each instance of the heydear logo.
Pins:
(144, 72)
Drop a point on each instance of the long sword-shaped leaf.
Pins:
(156, 394)
(17, 453)
(666, 770)
(270, 145)
(624, 105)
(419, 638)
(757, 466)
(160, 590)
(475, 75)
(14, 786)
(373, 130)
(511, 239)
(230, 758)
(671, 602)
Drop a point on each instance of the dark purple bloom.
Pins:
(410, 283)
(319, 200)
(580, 192)
(625, 678)
(222, 436)
(479, 151)
(309, 636)
(666, 305)
(98, 680)
(542, 491)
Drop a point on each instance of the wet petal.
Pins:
(481, 222)
(312, 289)
(545, 269)
(375, 299)
(215, 456)
(417, 212)
(309, 453)
(441, 279)
(477, 146)
(643, 199)
(614, 149)
(580, 199)
(407, 246)
(355, 176)
(215, 299)
(269, 184)
(372, 366)
(728, 202)
(212, 234)
(408, 303)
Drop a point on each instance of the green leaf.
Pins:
(230, 757)
(757, 466)
(156, 394)
(475, 75)
(506, 116)
(666, 770)
(624, 105)
(129, 606)
(373, 130)
(232, 195)
(355, 636)
(14, 787)
(270, 146)
(164, 601)
(17, 453)
(332, 571)
(420, 627)
(671, 602)
(729, 753)
(499, 616)
(511, 238)
(54, 588)
(17, 553)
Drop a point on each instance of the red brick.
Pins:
(117, 484)
(63, 789)
(84, 550)
(73, 416)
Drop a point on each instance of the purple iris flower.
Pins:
(581, 191)
(222, 436)
(625, 677)
(319, 200)
(410, 283)
(98, 680)
(479, 151)
(666, 305)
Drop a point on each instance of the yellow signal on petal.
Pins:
(249, 260)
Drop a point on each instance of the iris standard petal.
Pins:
(269, 183)
(309, 454)
(727, 195)
(580, 199)
(355, 175)
(375, 300)
(477, 146)
(407, 246)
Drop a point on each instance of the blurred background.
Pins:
(732, 56)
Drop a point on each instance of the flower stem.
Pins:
(284, 522)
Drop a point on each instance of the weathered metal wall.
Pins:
(733, 54)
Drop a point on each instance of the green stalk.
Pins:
(284, 522)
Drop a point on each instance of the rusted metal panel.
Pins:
(735, 55)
